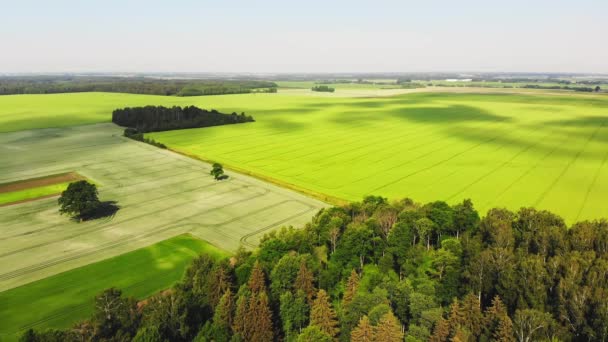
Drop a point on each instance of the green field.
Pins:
(496, 147)
(27, 194)
(63, 299)
(160, 194)
(546, 151)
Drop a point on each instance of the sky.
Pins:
(267, 36)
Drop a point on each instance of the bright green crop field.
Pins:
(497, 147)
(23, 195)
(546, 151)
(61, 300)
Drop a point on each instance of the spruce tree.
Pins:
(471, 314)
(259, 319)
(504, 331)
(219, 283)
(223, 316)
(497, 323)
(351, 288)
(441, 332)
(389, 329)
(363, 332)
(323, 315)
(455, 319)
(257, 280)
(305, 281)
(240, 316)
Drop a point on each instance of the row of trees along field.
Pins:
(133, 85)
(159, 118)
(323, 88)
(383, 271)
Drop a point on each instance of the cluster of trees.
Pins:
(134, 134)
(133, 85)
(383, 271)
(323, 88)
(159, 118)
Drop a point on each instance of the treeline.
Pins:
(133, 85)
(159, 118)
(323, 88)
(581, 89)
(134, 134)
(383, 271)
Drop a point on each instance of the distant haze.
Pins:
(303, 36)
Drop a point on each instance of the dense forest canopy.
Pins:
(132, 85)
(159, 118)
(383, 271)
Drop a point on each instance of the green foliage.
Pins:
(323, 88)
(79, 200)
(158, 118)
(217, 171)
(134, 85)
(508, 276)
(313, 333)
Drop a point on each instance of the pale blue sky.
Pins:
(304, 36)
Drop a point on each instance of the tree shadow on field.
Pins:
(449, 114)
(105, 209)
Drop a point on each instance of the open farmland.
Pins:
(546, 151)
(160, 194)
(63, 299)
(499, 148)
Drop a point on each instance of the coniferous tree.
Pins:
(223, 318)
(305, 281)
(219, 283)
(323, 315)
(363, 332)
(472, 317)
(351, 288)
(389, 329)
(495, 317)
(240, 316)
(257, 280)
(259, 319)
(441, 332)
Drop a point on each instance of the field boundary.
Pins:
(314, 194)
(36, 182)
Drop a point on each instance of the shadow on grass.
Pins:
(105, 209)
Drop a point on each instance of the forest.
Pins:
(132, 85)
(382, 271)
(323, 88)
(158, 118)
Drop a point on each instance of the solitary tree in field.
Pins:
(597, 89)
(217, 171)
(79, 200)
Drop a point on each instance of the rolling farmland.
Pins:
(496, 147)
(499, 150)
(160, 194)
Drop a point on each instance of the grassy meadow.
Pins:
(61, 300)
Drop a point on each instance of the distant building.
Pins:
(459, 80)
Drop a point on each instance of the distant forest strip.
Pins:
(158, 118)
(132, 85)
